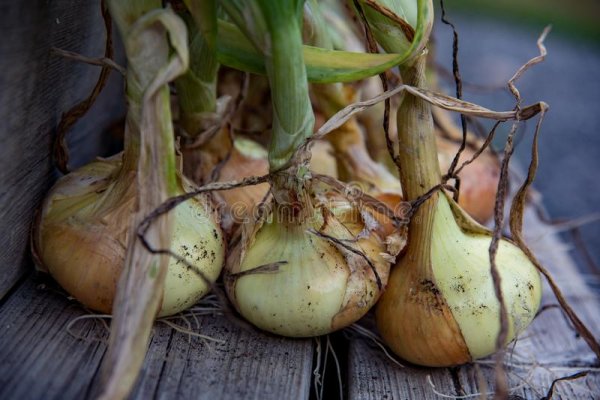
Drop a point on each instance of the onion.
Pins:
(84, 230)
(440, 307)
(315, 286)
(247, 158)
(310, 262)
(478, 180)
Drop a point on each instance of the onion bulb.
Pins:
(311, 285)
(83, 234)
(309, 262)
(440, 307)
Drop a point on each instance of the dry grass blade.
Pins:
(104, 62)
(518, 207)
(144, 273)
(550, 393)
(69, 118)
(536, 60)
(516, 227)
(501, 382)
(500, 376)
(433, 98)
(464, 107)
(458, 83)
(485, 145)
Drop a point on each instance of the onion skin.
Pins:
(83, 232)
(440, 308)
(322, 160)
(247, 159)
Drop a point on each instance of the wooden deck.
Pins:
(41, 359)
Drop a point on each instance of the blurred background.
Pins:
(495, 39)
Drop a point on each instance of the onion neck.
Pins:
(419, 167)
(293, 118)
(143, 66)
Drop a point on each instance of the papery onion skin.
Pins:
(321, 288)
(478, 180)
(247, 158)
(470, 292)
(83, 232)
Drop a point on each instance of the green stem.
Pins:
(197, 88)
(293, 118)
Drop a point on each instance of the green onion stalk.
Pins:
(441, 307)
(310, 262)
(210, 150)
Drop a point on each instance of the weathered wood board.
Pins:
(36, 87)
(549, 349)
(41, 360)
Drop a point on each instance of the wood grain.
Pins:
(36, 87)
(41, 360)
(549, 349)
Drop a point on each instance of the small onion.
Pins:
(311, 285)
(83, 233)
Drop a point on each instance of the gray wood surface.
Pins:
(41, 360)
(549, 349)
(36, 87)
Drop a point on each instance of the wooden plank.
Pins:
(40, 359)
(35, 88)
(549, 349)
